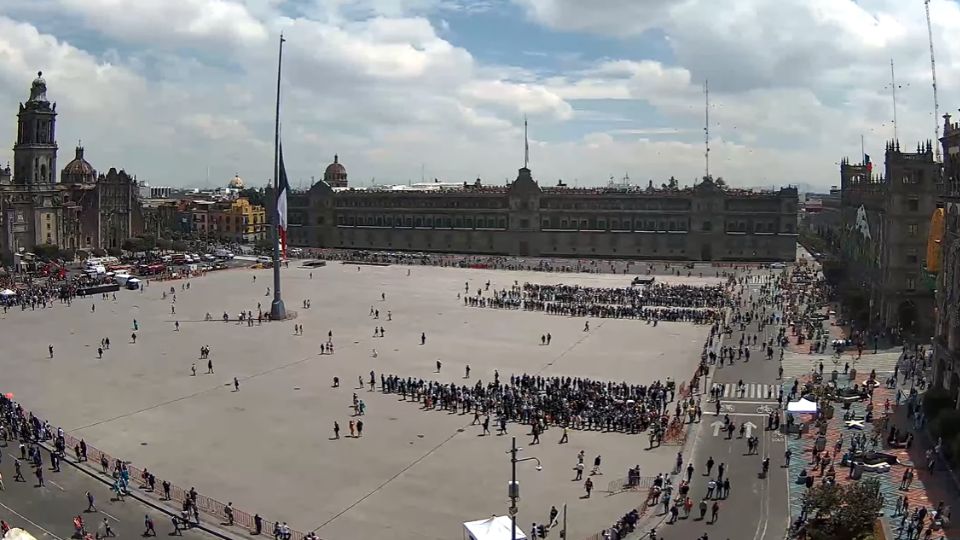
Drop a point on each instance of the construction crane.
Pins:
(933, 72)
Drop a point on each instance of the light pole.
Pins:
(514, 490)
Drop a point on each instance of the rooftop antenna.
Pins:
(706, 128)
(893, 95)
(526, 144)
(933, 73)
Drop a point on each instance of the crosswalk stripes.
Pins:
(752, 391)
(797, 364)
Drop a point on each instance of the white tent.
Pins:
(7, 292)
(802, 406)
(494, 528)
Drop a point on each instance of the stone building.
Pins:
(883, 239)
(706, 222)
(78, 210)
(945, 247)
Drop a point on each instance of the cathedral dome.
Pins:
(236, 182)
(78, 171)
(336, 174)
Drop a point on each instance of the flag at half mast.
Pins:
(283, 187)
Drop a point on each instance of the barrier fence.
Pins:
(207, 506)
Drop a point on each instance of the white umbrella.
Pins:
(7, 292)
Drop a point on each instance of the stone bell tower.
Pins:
(35, 154)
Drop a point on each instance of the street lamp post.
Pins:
(514, 489)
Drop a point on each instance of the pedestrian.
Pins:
(359, 428)
(579, 469)
(236, 385)
(786, 458)
(39, 473)
(703, 508)
(596, 466)
(710, 463)
(193, 370)
(336, 430)
(228, 511)
(107, 530)
(148, 526)
(50, 350)
(91, 507)
(176, 526)
(209, 366)
(564, 438)
(588, 486)
(714, 512)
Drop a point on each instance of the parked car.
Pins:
(263, 259)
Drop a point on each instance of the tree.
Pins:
(843, 512)
(46, 252)
(164, 244)
(672, 183)
(179, 245)
(254, 195)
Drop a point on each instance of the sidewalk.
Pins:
(927, 490)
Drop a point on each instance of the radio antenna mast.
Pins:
(706, 128)
(933, 73)
(893, 95)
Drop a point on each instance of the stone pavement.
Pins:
(927, 489)
(414, 474)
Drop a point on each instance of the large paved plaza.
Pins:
(268, 447)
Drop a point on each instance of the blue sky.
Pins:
(169, 89)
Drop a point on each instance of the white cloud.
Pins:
(170, 23)
(167, 88)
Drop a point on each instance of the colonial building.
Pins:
(78, 210)
(706, 222)
(883, 239)
(944, 248)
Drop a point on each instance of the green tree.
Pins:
(672, 183)
(164, 243)
(845, 512)
(46, 252)
(179, 245)
(254, 195)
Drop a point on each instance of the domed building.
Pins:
(78, 171)
(336, 173)
(236, 182)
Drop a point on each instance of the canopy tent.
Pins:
(7, 292)
(802, 406)
(493, 528)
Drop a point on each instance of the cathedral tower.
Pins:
(35, 154)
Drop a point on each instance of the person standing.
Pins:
(91, 507)
(714, 512)
(50, 350)
(359, 428)
(588, 486)
(336, 430)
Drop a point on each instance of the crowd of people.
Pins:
(531, 264)
(661, 302)
(541, 402)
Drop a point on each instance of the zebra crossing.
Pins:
(754, 391)
(797, 364)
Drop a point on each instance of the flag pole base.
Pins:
(278, 311)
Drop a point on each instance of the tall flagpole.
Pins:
(277, 309)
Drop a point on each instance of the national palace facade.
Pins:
(708, 222)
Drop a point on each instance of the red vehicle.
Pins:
(151, 269)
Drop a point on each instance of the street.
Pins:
(48, 511)
(757, 507)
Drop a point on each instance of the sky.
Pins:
(182, 92)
